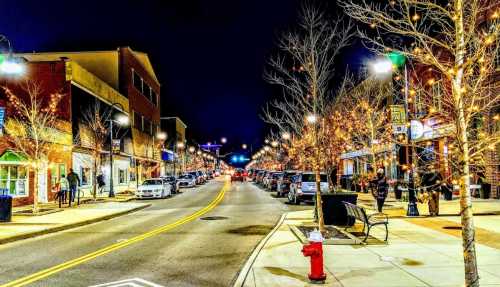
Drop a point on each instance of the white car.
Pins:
(303, 187)
(187, 180)
(154, 188)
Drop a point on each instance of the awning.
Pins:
(10, 157)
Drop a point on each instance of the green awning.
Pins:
(10, 156)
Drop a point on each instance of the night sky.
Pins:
(209, 55)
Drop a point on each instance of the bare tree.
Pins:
(33, 128)
(304, 70)
(93, 134)
(458, 40)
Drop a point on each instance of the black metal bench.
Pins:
(359, 213)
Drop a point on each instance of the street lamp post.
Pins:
(7, 65)
(386, 66)
(121, 120)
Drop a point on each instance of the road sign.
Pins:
(134, 282)
(399, 129)
(116, 145)
(398, 114)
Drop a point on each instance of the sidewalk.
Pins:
(397, 208)
(23, 227)
(415, 256)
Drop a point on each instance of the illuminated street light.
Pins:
(244, 146)
(223, 140)
(191, 149)
(161, 135)
(267, 148)
(180, 145)
(122, 120)
(266, 141)
(274, 143)
(11, 67)
(286, 136)
(311, 118)
(382, 66)
(198, 152)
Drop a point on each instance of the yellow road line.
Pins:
(77, 261)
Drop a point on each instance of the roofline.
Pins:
(177, 118)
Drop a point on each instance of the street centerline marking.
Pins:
(103, 251)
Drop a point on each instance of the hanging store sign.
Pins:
(398, 114)
(116, 145)
(2, 119)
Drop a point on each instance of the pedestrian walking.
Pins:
(63, 188)
(382, 189)
(434, 185)
(74, 182)
(100, 182)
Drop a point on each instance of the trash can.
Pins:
(5, 208)
(334, 211)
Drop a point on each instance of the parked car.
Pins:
(174, 183)
(237, 175)
(187, 180)
(198, 177)
(154, 188)
(266, 179)
(283, 182)
(202, 177)
(303, 187)
(273, 181)
(260, 176)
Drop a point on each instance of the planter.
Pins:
(5, 208)
(485, 191)
(397, 193)
(334, 211)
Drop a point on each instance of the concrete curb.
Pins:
(242, 275)
(69, 226)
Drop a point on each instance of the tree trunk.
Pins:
(468, 241)
(319, 203)
(94, 180)
(35, 189)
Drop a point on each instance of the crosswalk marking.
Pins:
(134, 282)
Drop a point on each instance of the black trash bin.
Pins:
(334, 211)
(5, 208)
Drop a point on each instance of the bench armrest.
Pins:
(386, 219)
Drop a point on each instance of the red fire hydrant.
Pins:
(315, 250)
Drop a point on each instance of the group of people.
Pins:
(430, 188)
(67, 187)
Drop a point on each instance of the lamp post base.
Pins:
(412, 209)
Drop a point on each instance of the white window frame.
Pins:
(26, 180)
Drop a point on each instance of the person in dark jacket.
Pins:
(74, 182)
(382, 189)
(434, 187)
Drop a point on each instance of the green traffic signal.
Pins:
(397, 59)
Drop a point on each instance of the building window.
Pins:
(133, 168)
(122, 176)
(137, 121)
(147, 126)
(137, 81)
(14, 180)
(85, 175)
(154, 98)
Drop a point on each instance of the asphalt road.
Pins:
(197, 253)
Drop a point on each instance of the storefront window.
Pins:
(56, 170)
(13, 180)
(85, 175)
(122, 176)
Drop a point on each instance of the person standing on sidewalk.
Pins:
(434, 182)
(382, 189)
(74, 182)
(63, 187)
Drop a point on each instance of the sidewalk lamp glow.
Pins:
(11, 68)
(191, 149)
(122, 120)
(198, 152)
(311, 119)
(382, 66)
(161, 136)
(244, 146)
